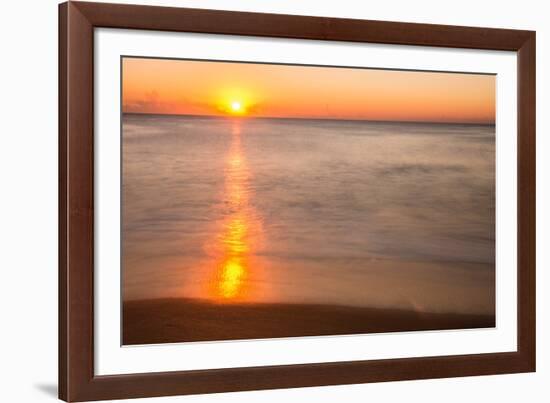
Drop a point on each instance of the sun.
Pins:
(236, 106)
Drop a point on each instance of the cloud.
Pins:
(151, 103)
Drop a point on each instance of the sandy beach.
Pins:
(186, 320)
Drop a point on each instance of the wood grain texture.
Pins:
(299, 27)
(76, 210)
(62, 205)
(77, 381)
(527, 199)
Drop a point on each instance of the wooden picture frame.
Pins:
(77, 381)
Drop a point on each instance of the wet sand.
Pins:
(187, 320)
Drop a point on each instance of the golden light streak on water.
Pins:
(239, 231)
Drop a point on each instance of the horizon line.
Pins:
(313, 118)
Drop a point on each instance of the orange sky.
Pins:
(268, 90)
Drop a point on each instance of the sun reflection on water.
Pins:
(240, 230)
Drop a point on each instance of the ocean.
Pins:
(353, 213)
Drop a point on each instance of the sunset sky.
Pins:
(267, 90)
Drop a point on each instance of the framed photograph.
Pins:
(256, 201)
